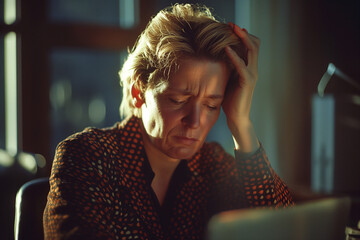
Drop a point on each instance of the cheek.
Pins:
(159, 120)
(210, 120)
(171, 120)
(151, 118)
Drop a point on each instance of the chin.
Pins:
(181, 153)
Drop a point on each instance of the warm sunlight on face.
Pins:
(178, 115)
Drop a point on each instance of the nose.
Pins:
(192, 116)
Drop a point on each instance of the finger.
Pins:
(253, 54)
(248, 39)
(238, 62)
(251, 42)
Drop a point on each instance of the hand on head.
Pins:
(237, 102)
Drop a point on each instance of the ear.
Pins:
(136, 96)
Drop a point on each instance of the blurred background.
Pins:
(59, 63)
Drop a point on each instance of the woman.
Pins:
(152, 176)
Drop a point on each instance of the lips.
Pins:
(186, 140)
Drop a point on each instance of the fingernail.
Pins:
(232, 25)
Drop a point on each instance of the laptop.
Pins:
(323, 219)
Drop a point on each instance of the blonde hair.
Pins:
(179, 31)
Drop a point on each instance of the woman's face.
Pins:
(178, 114)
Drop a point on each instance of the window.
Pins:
(2, 95)
(123, 13)
(8, 78)
(84, 90)
(66, 43)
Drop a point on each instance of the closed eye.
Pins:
(178, 101)
(213, 104)
(211, 107)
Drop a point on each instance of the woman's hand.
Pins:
(237, 102)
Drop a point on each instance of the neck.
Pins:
(161, 164)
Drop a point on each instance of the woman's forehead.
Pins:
(195, 74)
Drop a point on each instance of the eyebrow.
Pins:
(188, 93)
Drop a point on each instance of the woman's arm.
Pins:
(253, 174)
(248, 181)
(76, 206)
(237, 103)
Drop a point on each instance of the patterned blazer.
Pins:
(100, 188)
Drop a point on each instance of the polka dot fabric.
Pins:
(100, 188)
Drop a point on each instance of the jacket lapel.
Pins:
(136, 176)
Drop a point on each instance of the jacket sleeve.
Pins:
(262, 186)
(78, 203)
(246, 182)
